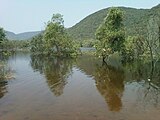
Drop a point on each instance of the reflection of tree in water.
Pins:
(3, 81)
(3, 89)
(144, 70)
(148, 77)
(4, 74)
(109, 82)
(56, 71)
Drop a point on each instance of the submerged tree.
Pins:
(153, 40)
(54, 40)
(57, 41)
(111, 34)
(145, 45)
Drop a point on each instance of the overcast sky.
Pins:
(30, 15)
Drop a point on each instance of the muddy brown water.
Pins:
(47, 88)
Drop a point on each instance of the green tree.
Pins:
(37, 44)
(2, 38)
(111, 34)
(2, 35)
(134, 47)
(56, 39)
(4, 43)
(153, 39)
(146, 43)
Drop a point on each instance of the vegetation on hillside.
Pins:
(111, 39)
(135, 21)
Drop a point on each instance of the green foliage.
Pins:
(142, 33)
(2, 35)
(54, 40)
(153, 39)
(2, 38)
(17, 45)
(86, 43)
(148, 45)
(37, 44)
(4, 43)
(111, 34)
(7, 46)
(134, 47)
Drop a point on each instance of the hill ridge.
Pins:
(21, 36)
(133, 18)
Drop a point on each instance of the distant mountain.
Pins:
(134, 19)
(21, 36)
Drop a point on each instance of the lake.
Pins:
(48, 88)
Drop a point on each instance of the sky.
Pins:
(31, 15)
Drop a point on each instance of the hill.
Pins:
(134, 19)
(21, 36)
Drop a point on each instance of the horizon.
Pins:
(19, 19)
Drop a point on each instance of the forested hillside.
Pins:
(135, 21)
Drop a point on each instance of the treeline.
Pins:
(111, 37)
(12, 45)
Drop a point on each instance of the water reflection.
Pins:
(4, 74)
(109, 82)
(126, 91)
(3, 89)
(147, 77)
(113, 82)
(56, 71)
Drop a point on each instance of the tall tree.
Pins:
(111, 34)
(56, 38)
(153, 41)
(2, 37)
(54, 33)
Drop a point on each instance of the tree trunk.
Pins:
(58, 50)
(151, 54)
(103, 60)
